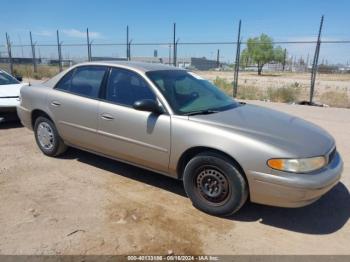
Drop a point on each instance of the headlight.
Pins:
(302, 165)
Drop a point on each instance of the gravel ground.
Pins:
(84, 204)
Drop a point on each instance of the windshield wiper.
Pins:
(201, 112)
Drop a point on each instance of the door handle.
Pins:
(55, 103)
(107, 117)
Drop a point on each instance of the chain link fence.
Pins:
(293, 79)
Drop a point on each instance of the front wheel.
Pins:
(214, 184)
(47, 137)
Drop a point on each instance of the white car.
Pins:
(9, 96)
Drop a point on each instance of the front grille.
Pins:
(332, 155)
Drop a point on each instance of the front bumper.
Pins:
(8, 113)
(294, 190)
(25, 116)
(8, 108)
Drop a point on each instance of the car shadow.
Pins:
(126, 170)
(325, 216)
(10, 125)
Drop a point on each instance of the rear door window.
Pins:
(65, 82)
(84, 81)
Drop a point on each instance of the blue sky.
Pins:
(151, 21)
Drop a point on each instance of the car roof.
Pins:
(140, 66)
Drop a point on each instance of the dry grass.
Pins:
(335, 99)
(340, 83)
(225, 85)
(27, 71)
(43, 71)
(288, 92)
(285, 94)
(250, 93)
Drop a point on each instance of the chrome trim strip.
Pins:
(132, 141)
(78, 126)
(121, 160)
(333, 151)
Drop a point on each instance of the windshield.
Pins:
(188, 93)
(6, 79)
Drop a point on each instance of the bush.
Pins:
(223, 84)
(36, 76)
(284, 94)
(43, 71)
(243, 92)
(249, 93)
(336, 99)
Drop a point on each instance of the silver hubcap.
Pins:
(45, 136)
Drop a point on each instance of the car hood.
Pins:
(10, 90)
(289, 133)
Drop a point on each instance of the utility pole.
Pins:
(238, 54)
(9, 51)
(315, 62)
(59, 52)
(33, 53)
(174, 43)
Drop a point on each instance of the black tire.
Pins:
(214, 184)
(57, 146)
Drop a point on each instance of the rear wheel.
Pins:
(214, 184)
(47, 137)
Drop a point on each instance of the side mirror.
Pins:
(148, 105)
(19, 78)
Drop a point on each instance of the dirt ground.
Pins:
(84, 204)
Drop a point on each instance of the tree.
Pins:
(260, 50)
(245, 59)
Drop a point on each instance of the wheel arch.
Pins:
(191, 152)
(36, 113)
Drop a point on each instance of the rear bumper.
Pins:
(294, 190)
(25, 116)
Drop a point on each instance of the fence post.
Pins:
(174, 43)
(59, 52)
(88, 44)
(90, 49)
(315, 62)
(127, 43)
(9, 52)
(238, 54)
(33, 52)
(129, 49)
(218, 58)
(284, 59)
(169, 61)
